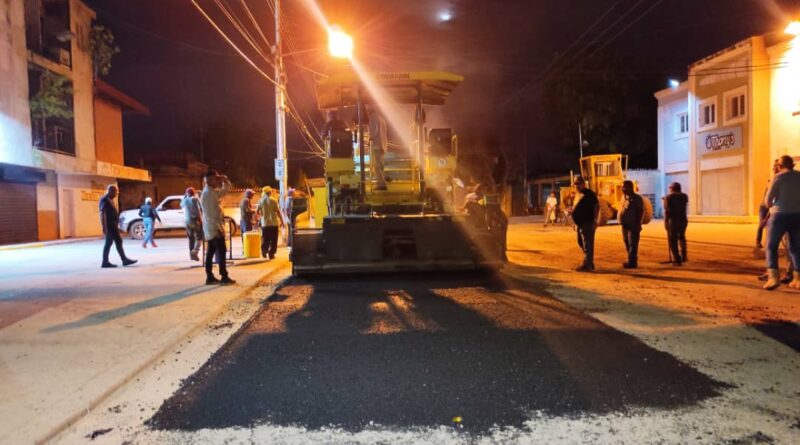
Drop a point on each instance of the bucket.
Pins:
(252, 244)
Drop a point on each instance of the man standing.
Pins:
(271, 218)
(149, 216)
(630, 218)
(288, 202)
(378, 147)
(109, 219)
(585, 217)
(676, 221)
(194, 225)
(246, 214)
(763, 210)
(216, 187)
(783, 202)
(550, 209)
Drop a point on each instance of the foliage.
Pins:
(611, 107)
(239, 151)
(101, 45)
(52, 99)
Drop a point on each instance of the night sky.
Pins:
(175, 63)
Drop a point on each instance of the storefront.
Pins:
(719, 131)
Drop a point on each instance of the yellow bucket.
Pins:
(252, 244)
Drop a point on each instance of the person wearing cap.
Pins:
(584, 214)
(246, 213)
(192, 217)
(149, 216)
(783, 202)
(270, 219)
(676, 221)
(630, 218)
(216, 186)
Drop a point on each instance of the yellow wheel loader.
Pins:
(604, 175)
(405, 218)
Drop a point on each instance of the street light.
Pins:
(793, 28)
(340, 44)
(674, 83)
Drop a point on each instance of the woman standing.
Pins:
(149, 215)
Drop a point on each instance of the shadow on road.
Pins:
(112, 314)
(418, 351)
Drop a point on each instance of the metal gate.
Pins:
(18, 213)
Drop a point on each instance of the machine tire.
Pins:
(606, 213)
(136, 230)
(648, 210)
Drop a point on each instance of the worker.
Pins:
(194, 224)
(332, 124)
(216, 186)
(585, 217)
(550, 209)
(288, 217)
(783, 201)
(378, 147)
(109, 220)
(676, 221)
(149, 216)
(630, 217)
(246, 214)
(270, 219)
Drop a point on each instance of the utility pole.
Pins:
(280, 107)
(580, 140)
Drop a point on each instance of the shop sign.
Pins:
(92, 195)
(720, 140)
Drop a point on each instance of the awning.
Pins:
(433, 87)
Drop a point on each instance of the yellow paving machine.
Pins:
(604, 175)
(404, 218)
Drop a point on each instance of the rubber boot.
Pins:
(773, 279)
(795, 283)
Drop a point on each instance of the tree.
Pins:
(52, 99)
(101, 45)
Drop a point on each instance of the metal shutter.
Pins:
(17, 213)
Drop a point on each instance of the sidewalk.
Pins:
(72, 333)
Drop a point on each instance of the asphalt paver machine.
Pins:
(355, 223)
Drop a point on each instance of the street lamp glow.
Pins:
(674, 83)
(445, 16)
(793, 28)
(339, 43)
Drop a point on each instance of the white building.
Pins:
(719, 131)
(53, 170)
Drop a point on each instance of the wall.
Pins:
(784, 126)
(47, 208)
(15, 119)
(82, 76)
(78, 199)
(108, 127)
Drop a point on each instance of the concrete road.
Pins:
(71, 332)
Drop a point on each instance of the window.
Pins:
(172, 204)
(681, 125)
(707, 114)
(52, 121)
(735, 105)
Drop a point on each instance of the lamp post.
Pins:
(280, 108)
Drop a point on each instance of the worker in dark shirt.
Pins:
(630, 218)
(333, 123)
(109, 219)
(585, 217)
(676, 221)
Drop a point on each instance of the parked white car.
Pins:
(171, 215)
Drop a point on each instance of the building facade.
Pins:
(54, 167)
(719, 131)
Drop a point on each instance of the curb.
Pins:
(47, 243)
(97, 401)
